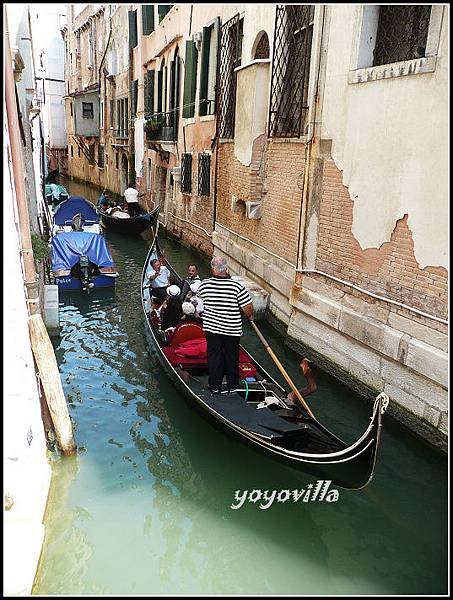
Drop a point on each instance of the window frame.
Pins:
(359, 73)
(84, 109)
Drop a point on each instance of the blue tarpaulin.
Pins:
(72, 206)
(67, 248)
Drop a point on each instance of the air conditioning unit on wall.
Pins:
(253, 210)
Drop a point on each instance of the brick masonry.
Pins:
(390, 270)
(274, 175)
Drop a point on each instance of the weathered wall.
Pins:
(390, 175)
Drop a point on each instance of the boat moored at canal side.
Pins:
(75, 214)
(258, 412)
(82, 261)
(57, 194)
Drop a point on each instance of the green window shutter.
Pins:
(162, 10)
(190, 79)
(145, 94)
(151, 90)
(134, 97)
(147, 18)
(205, 47)
(159, 91)
(132, 29)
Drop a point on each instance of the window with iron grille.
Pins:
(87, 110)
(91, 154)
(204, 174)
(101, 156)
(231, 34)
(288, 108)
(402, 33)
(186, 173)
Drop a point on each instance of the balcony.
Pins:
(162, 127)
(122, 134)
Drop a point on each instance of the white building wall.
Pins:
(46, 21)
(388, 174)
(27, 472)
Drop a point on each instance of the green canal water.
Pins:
(144, 506)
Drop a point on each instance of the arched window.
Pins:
(261, 46)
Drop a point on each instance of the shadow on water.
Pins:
(144, 508)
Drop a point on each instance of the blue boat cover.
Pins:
(67, 248)
(72, 206)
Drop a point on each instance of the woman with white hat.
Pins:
(171, 311)
(189, 314)
(195, 299)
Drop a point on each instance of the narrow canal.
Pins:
(144, 507)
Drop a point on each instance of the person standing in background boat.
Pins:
(131, 197)
(223, 300)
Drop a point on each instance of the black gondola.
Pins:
(259, 412)
(130, 225)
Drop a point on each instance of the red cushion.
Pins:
(191, 348)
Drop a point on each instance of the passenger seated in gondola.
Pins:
(170, 312)
(189, 314)
(159, 279)
(195, 299)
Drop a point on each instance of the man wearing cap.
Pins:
(159, 279)
(223, 300)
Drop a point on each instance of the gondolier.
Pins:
(131, 196)
(223, 300)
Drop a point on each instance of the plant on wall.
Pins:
(154, 123)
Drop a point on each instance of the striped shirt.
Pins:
(222, 298)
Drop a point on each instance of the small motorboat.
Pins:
(81, 260)
(75, 214)
(55, 193)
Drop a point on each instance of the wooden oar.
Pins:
(281, 369)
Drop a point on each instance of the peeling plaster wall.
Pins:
(389, 174)
(251, 109)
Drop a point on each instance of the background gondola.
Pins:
(131, 225)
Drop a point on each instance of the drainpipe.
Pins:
(30, 278)
(105, 94)
(215, 143)
(308, 150)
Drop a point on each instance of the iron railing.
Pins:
(288, 107)
(402, 33)
(162, 126)
(120, 133)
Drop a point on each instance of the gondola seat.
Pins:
(185, 332)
